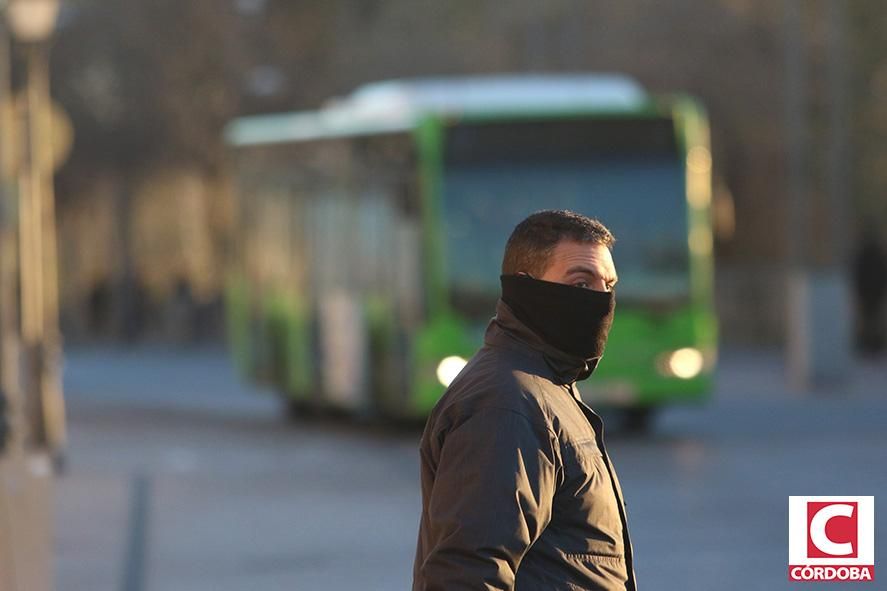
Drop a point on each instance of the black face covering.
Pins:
(571, 319)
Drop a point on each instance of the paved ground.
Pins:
(235, 498)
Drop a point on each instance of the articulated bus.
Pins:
(371, 234)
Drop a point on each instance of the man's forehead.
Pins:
(569, 252)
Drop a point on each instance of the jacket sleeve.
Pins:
(492, 497)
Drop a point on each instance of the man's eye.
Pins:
(582, 284)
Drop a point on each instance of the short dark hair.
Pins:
(533, 240)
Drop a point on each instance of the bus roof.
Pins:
(397, 105)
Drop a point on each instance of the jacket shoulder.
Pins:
(497, 379)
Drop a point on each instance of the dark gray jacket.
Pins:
(517, 488)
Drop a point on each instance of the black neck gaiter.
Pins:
(571, 319)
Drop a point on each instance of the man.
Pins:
(517, 488)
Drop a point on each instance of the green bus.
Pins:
(371, 231)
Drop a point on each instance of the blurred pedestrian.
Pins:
(517, 487)
(870, 285)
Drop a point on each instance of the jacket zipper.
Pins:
(599, 436)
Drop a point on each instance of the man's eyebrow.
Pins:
(582, 269)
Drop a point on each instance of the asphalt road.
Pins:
(181, 479)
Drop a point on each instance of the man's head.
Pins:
(562, 247)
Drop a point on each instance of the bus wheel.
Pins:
(638, 420)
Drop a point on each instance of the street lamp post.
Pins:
(34, 395)
(32, 23)
(9, 391)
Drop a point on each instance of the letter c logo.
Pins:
(817, 529)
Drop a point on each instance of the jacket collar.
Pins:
(505, 330)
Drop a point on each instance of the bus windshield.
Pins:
(625, 172)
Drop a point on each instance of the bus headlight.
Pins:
(449, 368)
(684, 363)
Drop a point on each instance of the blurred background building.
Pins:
(145, 203)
